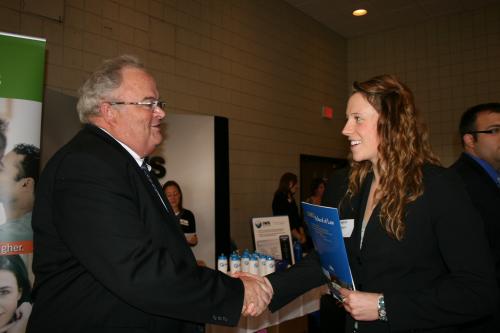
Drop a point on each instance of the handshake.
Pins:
(258, 293)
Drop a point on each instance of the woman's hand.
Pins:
(21, 321)
(192, 240)
(361, 305)
(299, 234)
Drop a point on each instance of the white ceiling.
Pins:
(382, 14)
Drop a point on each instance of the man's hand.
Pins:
(361, 305)
(258, 293)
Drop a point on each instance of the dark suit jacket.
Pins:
(437, 277)
(108, 257)
(485, 196)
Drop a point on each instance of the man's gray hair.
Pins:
(101, 83)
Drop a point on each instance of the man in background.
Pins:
(109, 253)
(18, 177)
(479, 168)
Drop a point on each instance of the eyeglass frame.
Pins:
(152, 104)
(494, 130)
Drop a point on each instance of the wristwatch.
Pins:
(382, 314)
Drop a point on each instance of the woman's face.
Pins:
(361, 129)
(320, 190)
(293, 187)
(173, 196)
(9, 296)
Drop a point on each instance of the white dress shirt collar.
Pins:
(136, 156)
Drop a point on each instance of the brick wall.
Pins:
(262, 64)
(450, 63)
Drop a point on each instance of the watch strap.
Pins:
(382, 313)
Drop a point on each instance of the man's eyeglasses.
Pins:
(152, 104)
(494, 130)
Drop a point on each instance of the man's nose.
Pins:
(159, 112)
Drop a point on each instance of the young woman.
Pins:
(15, 290)
(418, 253)
(317, 191)
(284, 204)
(186, 217)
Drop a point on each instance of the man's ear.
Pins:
(108, 113)
(469, 142)
(28, 182)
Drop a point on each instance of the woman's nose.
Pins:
(347, 130)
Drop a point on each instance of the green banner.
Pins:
(22, 62)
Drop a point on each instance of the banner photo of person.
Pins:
(22, 63)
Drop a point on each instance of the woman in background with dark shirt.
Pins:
(318, 186)
(186, 218)
(284, 204)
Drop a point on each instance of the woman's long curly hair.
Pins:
(403, 150)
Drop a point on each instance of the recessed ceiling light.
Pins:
(360, 12)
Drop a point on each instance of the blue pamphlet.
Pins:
(326, 233)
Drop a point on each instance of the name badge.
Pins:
(347, 227)
(184, 222)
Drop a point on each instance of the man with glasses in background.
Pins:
(109, 253)
(479, 168)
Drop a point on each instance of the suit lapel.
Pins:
(365, 192)
(359, 205)
(480, 171)
(158, 199)
(159, 194)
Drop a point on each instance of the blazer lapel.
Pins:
(157, 197)
(365, 192)
(157, 191)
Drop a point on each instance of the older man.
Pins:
(109, 254)
(479, 168)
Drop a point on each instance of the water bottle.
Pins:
(254, 265)
(245, 261)
(297, 251)
(234, 263)
(262, 265)
(270, 265)
(222, 263)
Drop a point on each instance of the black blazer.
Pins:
(109, 258)
(485, 196)
(436, 278)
